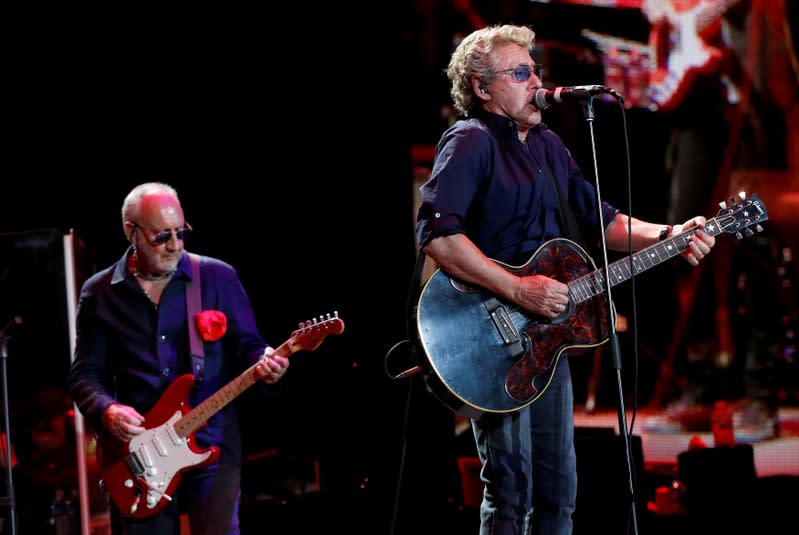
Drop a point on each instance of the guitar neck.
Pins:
(591, 284)
(306, 338)
(196, 418)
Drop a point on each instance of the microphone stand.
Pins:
(588, 112)
(8, 500)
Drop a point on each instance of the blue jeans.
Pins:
(210, 498)
(529, 464)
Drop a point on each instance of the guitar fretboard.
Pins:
(306, 338)
(196, 418)
(591, 284)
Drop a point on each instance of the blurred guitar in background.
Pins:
(657, 74)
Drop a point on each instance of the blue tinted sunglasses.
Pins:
(521, 73)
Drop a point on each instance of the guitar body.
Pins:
(484, 356)
(142, 475)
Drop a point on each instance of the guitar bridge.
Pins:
(507, 330)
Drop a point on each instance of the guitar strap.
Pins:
(193, 306)
(567, 221)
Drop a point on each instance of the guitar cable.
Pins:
(411, 341)
(413, 345)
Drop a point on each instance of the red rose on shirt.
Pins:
(212, 325)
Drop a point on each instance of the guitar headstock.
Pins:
(311, 333)
(741, 212)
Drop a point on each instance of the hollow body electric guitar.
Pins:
(484, 355)
(141, 475)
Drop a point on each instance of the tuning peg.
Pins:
(749, 233)
(759, 227)
(742, 195)
(723, 205)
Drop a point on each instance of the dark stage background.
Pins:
(289, 151)
(288, 132)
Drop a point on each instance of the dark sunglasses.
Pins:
(521, 73)
(165, 236)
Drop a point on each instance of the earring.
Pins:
(484, 90)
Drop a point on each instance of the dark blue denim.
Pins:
(209, 495)
(529, 464)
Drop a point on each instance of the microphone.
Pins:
(544, 97)
(16, 320)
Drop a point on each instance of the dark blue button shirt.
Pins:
(499, 191)
(129, 351)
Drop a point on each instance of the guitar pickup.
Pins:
(134, 464)
(507, 330)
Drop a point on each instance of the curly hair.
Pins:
(473, 57)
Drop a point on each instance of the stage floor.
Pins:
(662, 441)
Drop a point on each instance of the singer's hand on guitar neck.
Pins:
(123, 421)
(700, 243)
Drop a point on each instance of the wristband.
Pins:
(665, 232)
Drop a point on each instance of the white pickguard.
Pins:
(163, 454)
